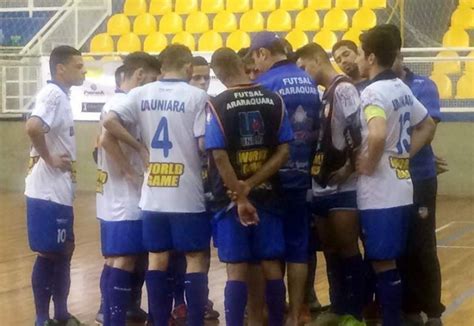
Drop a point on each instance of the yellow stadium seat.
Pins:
(129, 43)
(347, 4)
(185, 38)
(464, 87)
(319, 4)
(456, 37)
(224, 22)
(210, 41)
(364, 19)
(297, 38)
(252, 21)
(325, 38)
(134, 7)
(447, 67)
(469, 65)
(279, 21)
(444, 84)
(463, 17)
(307, 20)
(238, 40)
(155, 42)
(353, 35)
(160, 7)
(144, 24)
(185, 6)
(197, 22)
(291, 5)
(118, 25)
(212, 6)
(467, 3)
(264, 5)
(237, 5)
(171, 23)
(336, 20)
(374, 4)
(102, 43)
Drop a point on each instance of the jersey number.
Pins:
(61, 235)
(403, 145)
(161, 139)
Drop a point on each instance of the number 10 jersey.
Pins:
(171, 117)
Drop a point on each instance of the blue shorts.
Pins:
(237, 243)
(121, 238)
(322, 205)
(384, 231)
(185, 232)
(296, 226)
(50, 226)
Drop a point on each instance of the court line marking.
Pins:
(455, 247)
(463, 222)
(458, 301)
(444, 226)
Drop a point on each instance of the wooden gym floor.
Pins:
(455, 248)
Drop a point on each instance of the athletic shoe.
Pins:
(326, 318)
(314, 305)
(99, 317)
(434, 322)
(136, 315)
(348, 320)
(412, 320)
(179, 313)
(209, 312)
(50, 322)
(72, 321)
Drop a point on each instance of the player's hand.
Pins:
(243, 190)
(247, 213)
(441, 165)
(62, 162)
(144, 155)
(364, 166)
(340, 176)
(132, 176)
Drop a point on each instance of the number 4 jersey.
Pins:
(390, 185)
(171, 117)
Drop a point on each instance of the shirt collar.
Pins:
(119, 91)
(280, 63)
(410, 76)
(65, 90)
(384, 75)
(173, 80)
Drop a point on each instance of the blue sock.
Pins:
(275, 299)
(196, 297)
(354, 285)
(370, 282)
(42, 282)
(61, 286)
(235, 301)
(137, 279)
(104, 301)
(119, 290)
(178, 270)
(335, 280)
(389, 292)
(159, 296)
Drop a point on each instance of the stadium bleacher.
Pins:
(12, 26)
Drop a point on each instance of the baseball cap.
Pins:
(262, 40)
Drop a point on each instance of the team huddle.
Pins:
(270, 170)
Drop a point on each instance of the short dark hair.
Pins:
(137, 60)
(175, 57)
(312, 50)
(61, 55)
(119, 76)
(279, 46)
(243, 52)
(200, 61)
(395, 31)
(381, 42)
(350, 44)
(227, 62)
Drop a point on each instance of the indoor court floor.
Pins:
(455, 231)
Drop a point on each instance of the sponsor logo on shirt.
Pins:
(102, 177)
(401, 167)
(31, 163)
(251, 161)
(165, 175)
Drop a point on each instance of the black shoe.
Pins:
(137, 315)
(434, 322)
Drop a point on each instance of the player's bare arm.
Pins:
(113, 125)
(35, 130)
(367, 163)
(422, 135)
(247, 212)
(276, 161)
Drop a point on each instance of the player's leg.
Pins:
(191, 233)
(209, 313)
(134, 312)
(157, 240)
(177, 270)
(233, 247)
(385, 232)
(256, 295)
(296, 228)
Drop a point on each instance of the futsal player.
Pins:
(334, 183)
(420, 267)
(384, 186)
(119, 179)
(344, 53)
(170, 114)
(50, 187)
(247, 134)
(301, 99)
